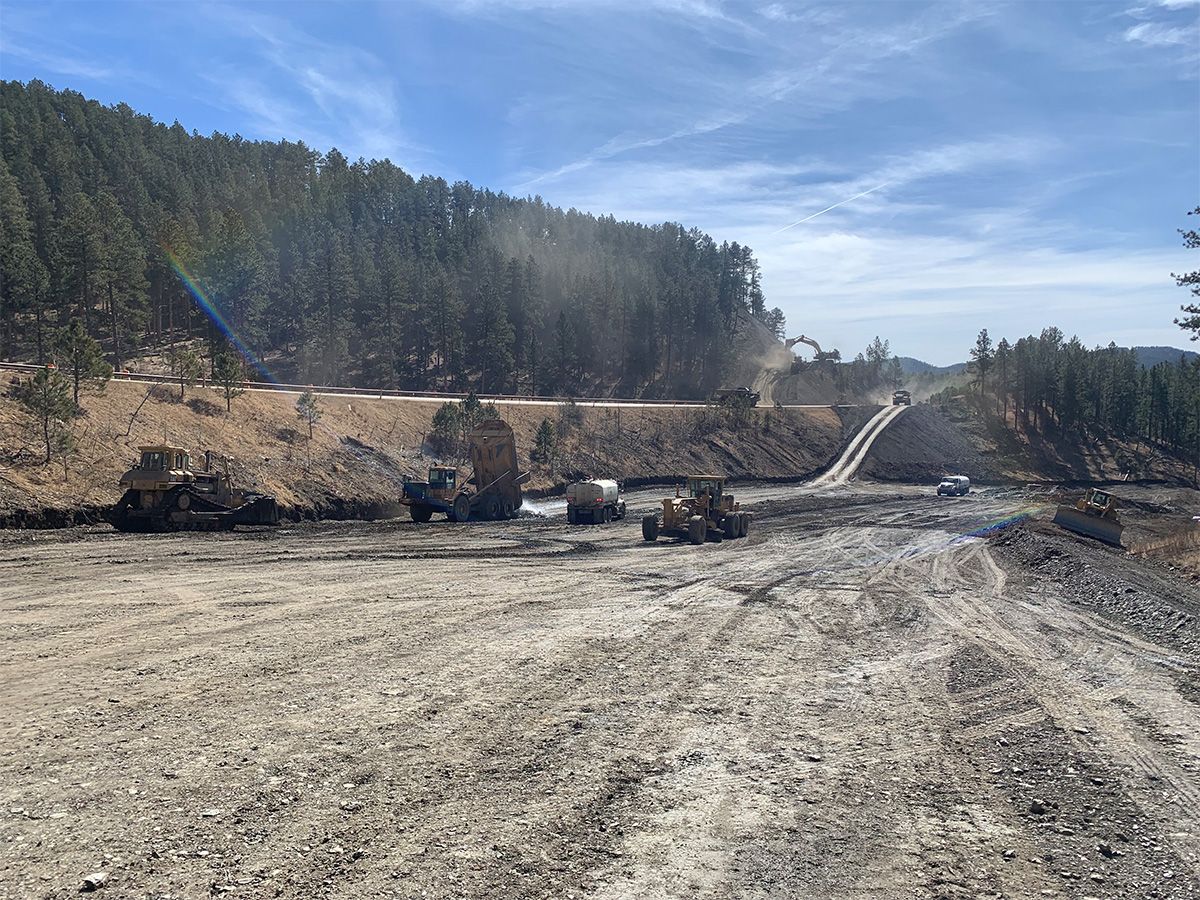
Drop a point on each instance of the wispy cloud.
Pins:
(351, 91)
(1161, 35)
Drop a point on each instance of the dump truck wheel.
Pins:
(462, 508)
(420, 512)
(650, 527)
(506, 508)
(697, 529)
(491, 507)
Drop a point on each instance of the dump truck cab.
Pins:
(436, 494)
(901, 398)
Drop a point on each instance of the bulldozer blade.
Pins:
(1101, 529)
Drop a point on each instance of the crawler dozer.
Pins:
(1095, 515)
(705, 512)
(495, 477)
(163, 493)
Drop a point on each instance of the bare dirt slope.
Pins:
(864, 698)
(362, 446)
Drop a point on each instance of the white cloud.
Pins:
(1161, 35)
(351, 89)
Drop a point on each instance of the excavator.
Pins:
(819, 357)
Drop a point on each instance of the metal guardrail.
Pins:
(377, 393)
(428, 396)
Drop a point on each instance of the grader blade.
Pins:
(1098, 527)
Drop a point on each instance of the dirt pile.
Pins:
(922, 446)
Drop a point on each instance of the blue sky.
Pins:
(1028, 163)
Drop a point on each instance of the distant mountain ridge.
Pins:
(1147, 356)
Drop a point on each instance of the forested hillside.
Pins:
(1051, 385)
(319, 269)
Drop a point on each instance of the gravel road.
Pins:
(872, 695)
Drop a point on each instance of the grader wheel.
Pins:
(650, 527)
(731, 526)
(697, 529)
(745, 524)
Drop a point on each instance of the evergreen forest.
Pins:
(1048, 383)
(322, 270)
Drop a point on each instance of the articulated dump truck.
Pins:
(164, 493)
(1095, 515)
(495, 478)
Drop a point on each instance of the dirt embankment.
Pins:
(359, 451)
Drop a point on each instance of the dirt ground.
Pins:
(877, 693)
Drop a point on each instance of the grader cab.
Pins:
(704, 512)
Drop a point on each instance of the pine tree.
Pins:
(47, 397)
(81, 357)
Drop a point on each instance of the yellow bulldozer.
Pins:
(164, 493)
(1095, 515)
(704, 513)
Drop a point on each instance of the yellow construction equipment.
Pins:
(164, 493)
(495, 477)
(705, 512)
(1095, 515)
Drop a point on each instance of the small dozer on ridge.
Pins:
(1095, 515)
(705, 512)
(164, 493)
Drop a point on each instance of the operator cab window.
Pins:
(154, 460)
(441, 479)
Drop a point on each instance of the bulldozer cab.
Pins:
(699, 484)
(1098, 500)
(160, 459)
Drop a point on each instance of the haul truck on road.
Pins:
(495, 477)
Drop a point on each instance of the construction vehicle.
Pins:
(495, 478)
(901, 398)
(424, 498)
(737, 396)
(594, 501)
(705, 512)
(819, 354)
(954, 485)
(1095, 515)
(164, 493)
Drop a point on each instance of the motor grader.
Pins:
(1094, 515)
(704, 512)
(164, 493)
